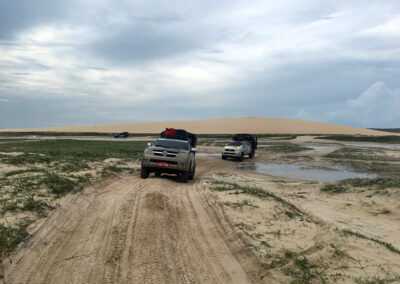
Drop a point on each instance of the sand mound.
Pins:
(223, 126)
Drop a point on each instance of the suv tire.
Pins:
(144, 172)
(241, 157)
(185, 177)
(251, 155)
(223, 157)
(191, 176)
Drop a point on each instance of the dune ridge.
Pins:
(256, 125)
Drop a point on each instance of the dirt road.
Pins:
(130, 230)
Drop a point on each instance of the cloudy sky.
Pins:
(82, 62)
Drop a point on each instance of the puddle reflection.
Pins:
(331, 174)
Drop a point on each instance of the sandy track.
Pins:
(132, 231)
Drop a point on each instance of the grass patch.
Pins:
(289, 254)
(378, 184)
(290, 214)
(26, 183)
(255, 191)
(23, 159)
(18, 172)
(240, 204)
(10, 237)
(74, 166)
(9, 205)
(30, 204)
(335, 188)
(47, 151)
(303, 271)
(61, 184)
(360, 154)
(389, 246)
(112, 169)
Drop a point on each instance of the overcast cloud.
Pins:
(93, 62)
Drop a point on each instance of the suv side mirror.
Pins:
(149, 144)
(194, 150)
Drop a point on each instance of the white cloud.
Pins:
(378, 106)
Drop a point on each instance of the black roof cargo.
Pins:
(180, 134)
(246, 137)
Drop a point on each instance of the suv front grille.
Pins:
(170, 154)
(162, 161)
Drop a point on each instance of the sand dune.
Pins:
(257, 125)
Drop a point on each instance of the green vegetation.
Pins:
(383, 243)
(360, 154)
(31, 204)
(74, 166)
(379, 183)
(377, 139)
(23, 159)
(255, 191)
(10, 237)
(112, 169)
(71, 151)
(365, 160)
(240, 204)
(302, 271)
(60, 184)
(289, 254)
(290, 214)
(29, 170)
(335, 188)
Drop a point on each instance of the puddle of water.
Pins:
(374, 145)
(332, 174)
(208, 154)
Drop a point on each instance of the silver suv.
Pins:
(169, 156)
(237, 149)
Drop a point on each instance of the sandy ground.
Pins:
(222, 126)
(129, 230)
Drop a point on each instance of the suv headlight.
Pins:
(182, 155)
(148, 151)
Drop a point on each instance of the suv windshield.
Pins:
(183, 145)
(234, 143)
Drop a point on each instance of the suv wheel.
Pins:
(251, 155)
(185, 177)
(241, 157)
(223, 157)
(144, 172)
(191, 176)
